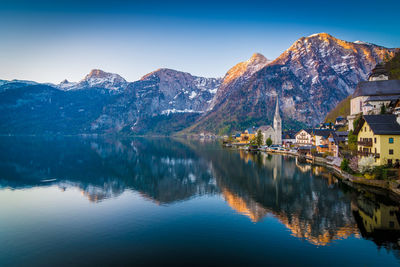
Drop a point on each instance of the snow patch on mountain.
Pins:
(169, 111)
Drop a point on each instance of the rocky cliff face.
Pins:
(310, 78)
(165, 96)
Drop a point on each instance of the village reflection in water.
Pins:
(308, 200)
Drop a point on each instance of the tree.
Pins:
(352, 140)
(259, 138)
(353, 164)
(366, 164)
(268, 142)
(356, 121)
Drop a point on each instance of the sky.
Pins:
(49, 41)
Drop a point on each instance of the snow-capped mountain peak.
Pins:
(96, 79)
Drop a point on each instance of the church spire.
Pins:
(277, 115)
(277, 124)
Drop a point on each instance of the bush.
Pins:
(379, 173)
(268, 142)
(344, 166)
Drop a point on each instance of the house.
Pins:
(379, 136)
(275, 133)
(343, 135)
(370, 95)
(334, 142)
(246, 136)
(326, 125)
(340, 122)
(320, 139)
(304, 137)
(288, 138)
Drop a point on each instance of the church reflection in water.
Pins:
(308, 200)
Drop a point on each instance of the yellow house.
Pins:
(246, 136)
(379, 136)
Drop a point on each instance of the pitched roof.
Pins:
(289, 134)
(383, 98)
(323, 132)
(342, 133)
(378, 70)
(380, 124)
(372, 88)
(265, 128)
(337, 138)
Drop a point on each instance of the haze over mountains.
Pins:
(310, 78)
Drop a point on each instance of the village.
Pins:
(363, 147)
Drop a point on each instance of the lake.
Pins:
(158, 201)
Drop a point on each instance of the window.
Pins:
(391, 140)
(391, 224)
(390, 151)
(390, 162)
(375, 140)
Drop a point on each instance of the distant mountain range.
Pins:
(310, 78)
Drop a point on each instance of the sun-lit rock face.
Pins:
(246, 68)
(310, 78)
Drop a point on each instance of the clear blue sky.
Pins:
(48, 41)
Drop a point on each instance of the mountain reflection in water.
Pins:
(308, 200)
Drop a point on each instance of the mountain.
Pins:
(161, 102)
(238, 75)
(96, 79)
(310, 78)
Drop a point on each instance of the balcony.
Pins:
(367, 154)
(303, 138)
(365, 143)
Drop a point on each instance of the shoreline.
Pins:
(389, 189)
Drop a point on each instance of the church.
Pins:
(275, 132)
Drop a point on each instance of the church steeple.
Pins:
(277, 115)
(277, 124)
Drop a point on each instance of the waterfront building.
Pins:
(379, 136)
(288, 138)
(369, 96)
(320, 138)
(246, 136)
(304, 137)
(335, 139)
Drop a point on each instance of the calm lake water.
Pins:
(85, 201)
